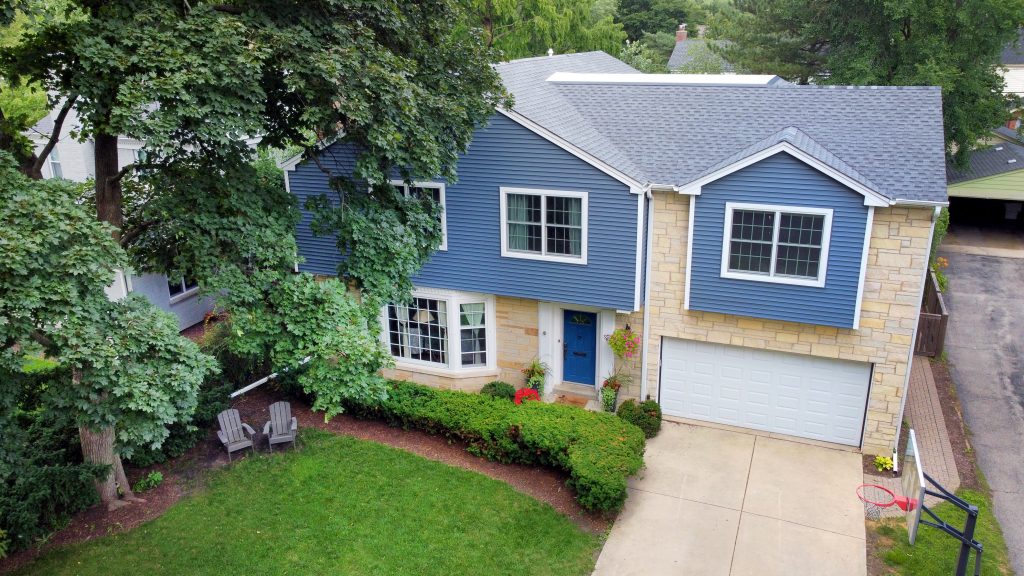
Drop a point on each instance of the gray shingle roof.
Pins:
(1013, 53)
(1010, 134)
(686, 51)
(670, 134)
(998, 159)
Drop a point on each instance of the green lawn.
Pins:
(935, 552)
(341, 506)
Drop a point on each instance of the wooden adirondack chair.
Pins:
(234, 434)
(282, 426)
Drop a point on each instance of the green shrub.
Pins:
(598, 450)
(499, 389)
(213, 399)
(645, 416)
(150, 481)
(3, 544)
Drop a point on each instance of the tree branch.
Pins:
(128, 236)
(58, 124)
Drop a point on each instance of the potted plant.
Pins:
(535, 373)
(610, 391)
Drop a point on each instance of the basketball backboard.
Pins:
(913, 486)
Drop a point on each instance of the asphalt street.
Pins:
(984, 342)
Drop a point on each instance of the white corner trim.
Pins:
(444, 205)
(689, 252)
(863, 267)
(289, 164)
(504, 191)
(730, 207)
(913, 337)
(640, 228)
(634, 184)
(871, 197)
(647, 301)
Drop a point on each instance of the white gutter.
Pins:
(265, 379)
(647, 294)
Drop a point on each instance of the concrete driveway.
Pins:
(717, 502)
(985, 343)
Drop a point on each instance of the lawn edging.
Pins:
(598, 450)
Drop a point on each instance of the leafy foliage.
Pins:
(599, 451)
(524, 28)
(149, 481)
(646, 415)
(640, 16)
(955, 45)
(499, 389)
(640, 56)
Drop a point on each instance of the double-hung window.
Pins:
(451, 331)
(434, 191)
(56, 169)
(783, 244)
(544, 225)
(180, 289)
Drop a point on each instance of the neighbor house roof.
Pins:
(1013, 53)
(670, 133)
(993, 161)
(1010, 134)
(690, 50)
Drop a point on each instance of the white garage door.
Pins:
(791, 394)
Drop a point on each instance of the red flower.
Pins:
(524, 394)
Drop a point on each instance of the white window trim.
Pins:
(444, 206)
(819, 282)
(544, 256)
(185, 295)
(453, 299)
(54, 158)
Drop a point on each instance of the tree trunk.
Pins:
(98, 448)
(108, 187)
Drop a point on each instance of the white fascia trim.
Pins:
(647, 301)
(504, 191)
(921, 203)
(444, 205)
(663, 79)
(452, 298)
(825, 238)
(863, 267)
(289, 164)
(913, 338)
(634, 185)
(871, 197)
(689, 252)
(640, 228)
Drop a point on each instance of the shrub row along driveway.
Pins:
(715, 502)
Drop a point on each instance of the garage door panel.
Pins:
(792, 394)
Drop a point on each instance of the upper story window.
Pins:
(55, 167)
(544, 225)
(180, 289)
(783, 244)
(451, 331)
(434, 191)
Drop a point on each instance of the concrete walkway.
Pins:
(924, 414)
(719, 502)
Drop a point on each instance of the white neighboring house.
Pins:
(72, 159)
(1013, 65)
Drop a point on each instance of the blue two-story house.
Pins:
(768, 241)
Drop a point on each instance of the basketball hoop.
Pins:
(876, 498)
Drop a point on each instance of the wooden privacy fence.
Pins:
(931, 325)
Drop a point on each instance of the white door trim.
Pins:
(550, 328)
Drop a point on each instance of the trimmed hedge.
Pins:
(499, 389)
(646, 416)
(598, 450)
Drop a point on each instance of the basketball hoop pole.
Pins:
(965, 536)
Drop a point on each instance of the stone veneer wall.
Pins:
(517, 343)
(632, 369)
(897, 258)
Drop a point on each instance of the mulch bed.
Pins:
(184, 475)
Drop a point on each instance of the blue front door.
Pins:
(580, 347)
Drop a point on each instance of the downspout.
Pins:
(647, 292)
(913, 343)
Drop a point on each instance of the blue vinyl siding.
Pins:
(782, 180)
(505, 154)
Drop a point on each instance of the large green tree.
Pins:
(131, 373)
(524, 28)
(954, 44)
(653, 16)
(406, 83)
